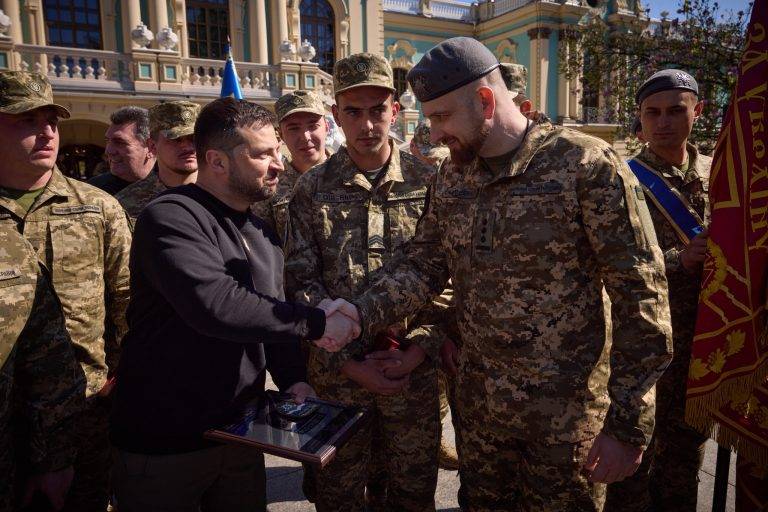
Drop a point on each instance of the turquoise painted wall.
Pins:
(554, 76)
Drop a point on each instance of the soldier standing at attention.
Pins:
(678, 174)
(39, 372)
(82, 237)
(127, 151)
(348, 217)
(171, 125)
(530, 222)
(303, 129)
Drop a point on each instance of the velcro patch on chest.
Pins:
(402, 196)
(536, 189)
(72, 210)
(325, 197)
(9, 273)
(460, 193)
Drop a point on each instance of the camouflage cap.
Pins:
(421, 137)
(298, 101)
(21, 91)
(362, 69)
(515, 76)
(173, 119)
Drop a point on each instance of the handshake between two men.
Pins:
(383, 372)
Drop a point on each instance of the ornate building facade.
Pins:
(104, 54)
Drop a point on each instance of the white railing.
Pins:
(74, 67)
(204, 76)
(504, 6)
(452, 10)
(405, 6)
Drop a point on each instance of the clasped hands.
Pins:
(342, 324)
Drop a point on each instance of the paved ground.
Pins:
(284, 483)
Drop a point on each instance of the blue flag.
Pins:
(230, 84)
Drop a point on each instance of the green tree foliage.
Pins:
(615, 57)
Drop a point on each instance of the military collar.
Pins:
(351, 175)
(534, 138)
(57, 186)
(694, 173)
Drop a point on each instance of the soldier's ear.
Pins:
(487, 100)
(335, 112)
(217, 161)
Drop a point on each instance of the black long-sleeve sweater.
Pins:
(206, 289)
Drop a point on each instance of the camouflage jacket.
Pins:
(275, 209)
(81, 234)
(684, 287)
(136, 196)
(529, 251)
(39, 377)
(343, 230)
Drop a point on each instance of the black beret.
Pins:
(664, 81)
(451, 64)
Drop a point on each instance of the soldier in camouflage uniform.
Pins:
(81, 235)
(348, 217)
(516, 78)
(171, 125)
(668, 477)
(433, 155)
(38, 372)
(303, 129)
(531, 221)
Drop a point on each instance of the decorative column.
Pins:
(34, 12)
(9, 59)
(563, 84)
(257, 20)
(539, 66)
(131, 20)
(282, 20)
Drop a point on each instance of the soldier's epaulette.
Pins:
(325, 197)
(71, 210)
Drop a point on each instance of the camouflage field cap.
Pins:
(515, 76)
(362, 69)
(173, 119)
(21, 91)
(421, 137)
(298, 101)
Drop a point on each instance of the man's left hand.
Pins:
(300, 392)
(611, 461)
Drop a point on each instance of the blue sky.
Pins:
(672, 5)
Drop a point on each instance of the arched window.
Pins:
(401, 84)
(75, 24)
(208, 26)
(317, 25)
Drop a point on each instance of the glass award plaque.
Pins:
(311, 432)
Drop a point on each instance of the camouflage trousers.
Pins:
(90, 486)
(668, 478)
(407, 439)
(499, 472)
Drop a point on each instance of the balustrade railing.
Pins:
(75, 67)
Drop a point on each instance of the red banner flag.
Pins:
(727, 397)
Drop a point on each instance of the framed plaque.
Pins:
(311, 432)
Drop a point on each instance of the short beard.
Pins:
(466, 153)
(251, 192)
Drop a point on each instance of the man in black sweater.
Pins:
(207, 317)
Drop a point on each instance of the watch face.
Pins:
(295, 411)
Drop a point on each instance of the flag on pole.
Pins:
(727, 395)
(230, 83)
